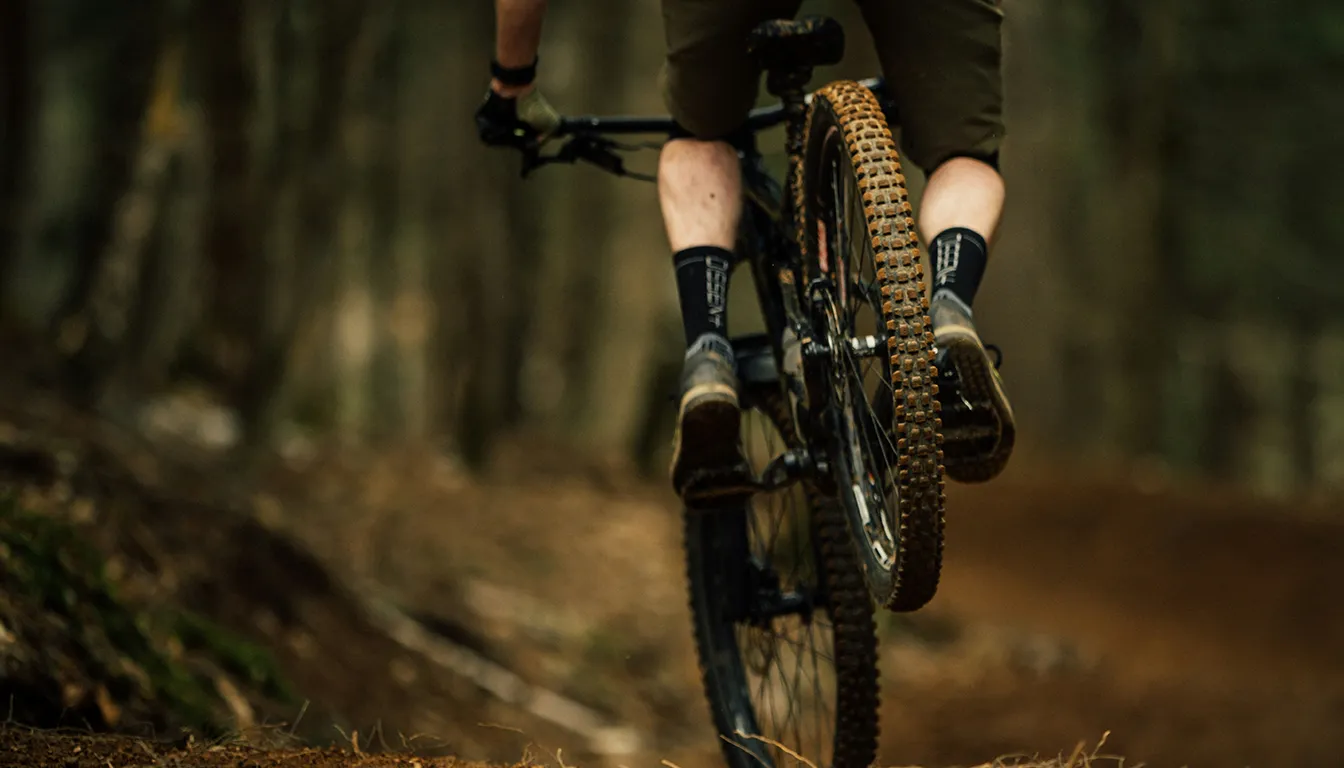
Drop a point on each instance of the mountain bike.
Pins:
(842, 419)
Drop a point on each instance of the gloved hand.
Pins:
(524, 121)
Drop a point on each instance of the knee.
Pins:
(735, 137)
(982, 164)
(698, 156)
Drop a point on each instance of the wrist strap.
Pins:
(514, 76)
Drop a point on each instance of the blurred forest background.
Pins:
(266, 228)
(280, 207)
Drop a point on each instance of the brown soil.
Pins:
(1205, 628)
(1198, 627)
(175, 535)
(22, 748)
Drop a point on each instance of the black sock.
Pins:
(702, 285)
(959, 256)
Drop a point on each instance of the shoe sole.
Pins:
(707, 464)
(979, 385)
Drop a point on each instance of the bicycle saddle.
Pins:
(812, 41)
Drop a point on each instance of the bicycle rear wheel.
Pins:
(860, 238)
(783, 624)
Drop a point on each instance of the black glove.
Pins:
(526, 121)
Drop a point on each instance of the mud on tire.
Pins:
(894, 447)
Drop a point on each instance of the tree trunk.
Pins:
(116, 292)
(301, 63)
(411, 241)
(568, 326)
(1326, 366)
(635, 266)
(93, 66)
(485, 255)
(171, 311)
(358, 242)
(16, 83)
(230, 91)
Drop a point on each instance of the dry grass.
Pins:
(1080, 757)
(28, 748)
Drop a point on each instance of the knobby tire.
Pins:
(847, 136)
(710, 553)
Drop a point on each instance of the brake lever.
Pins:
(598, 152)
(591, 149)
(534, 159)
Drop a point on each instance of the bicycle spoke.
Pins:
(782, 651)
(787, 658)
(887, 452)
(823, 711)
(888, 449)
(795, 643)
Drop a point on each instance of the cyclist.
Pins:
(941, 59)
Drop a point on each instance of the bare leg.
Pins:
(700, 189)
(961, 192)
(965, 194)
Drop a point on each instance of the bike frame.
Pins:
(760, 119)
(770, 240)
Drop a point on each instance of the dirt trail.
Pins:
(1205, 628)
(1174, 584)
(1198, 629)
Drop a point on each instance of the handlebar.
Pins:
(587, 135)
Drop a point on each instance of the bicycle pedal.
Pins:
(972, 437)
(970, 433)
(969, 427)
(719, 488)
(957, 409)
(706, 500)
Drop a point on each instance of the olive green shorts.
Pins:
(941, 60)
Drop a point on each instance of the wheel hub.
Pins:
(866, 489)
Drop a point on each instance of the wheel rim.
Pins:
(788, 657)
(861, 381)
(779, 652)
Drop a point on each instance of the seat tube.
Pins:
(788, 86)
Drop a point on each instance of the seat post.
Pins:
(788, 50)
(788, 84)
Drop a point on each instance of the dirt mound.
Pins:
(130, 537)
(164, 532)
(71, 650)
